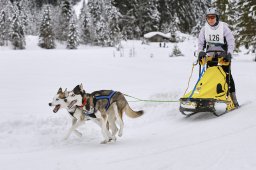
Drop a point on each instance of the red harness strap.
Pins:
(84, 103)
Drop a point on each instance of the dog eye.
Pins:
(73, 95)
(57, 99)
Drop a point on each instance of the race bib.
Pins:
(215, 36)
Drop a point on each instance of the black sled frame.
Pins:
(199, 105)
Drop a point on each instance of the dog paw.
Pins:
(120, 134)
(104, 142)
(112, 139)
(79, 134)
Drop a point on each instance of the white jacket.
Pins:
(226, 33)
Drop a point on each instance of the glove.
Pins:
(227, 58)
(201, 55)
(223, 54)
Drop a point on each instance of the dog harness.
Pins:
(95, 99)
(112, 93)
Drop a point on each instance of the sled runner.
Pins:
(211, 92)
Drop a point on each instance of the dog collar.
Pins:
(84, 103)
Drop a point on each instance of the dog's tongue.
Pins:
(72, 104)
(56, 108)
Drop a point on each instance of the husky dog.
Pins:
(102, 104)
(78, 117)
(59, 103)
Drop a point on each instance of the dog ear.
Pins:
(66, 92)
(76, 90)
(59, 91)
(81, 87)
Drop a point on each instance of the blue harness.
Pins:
(112, 93)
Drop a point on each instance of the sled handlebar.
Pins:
(215, 51)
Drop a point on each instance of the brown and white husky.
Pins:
(78, 117)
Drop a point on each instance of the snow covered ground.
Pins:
(31, 135)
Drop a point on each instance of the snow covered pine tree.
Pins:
(46, 35)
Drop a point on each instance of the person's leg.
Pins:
(232, 88)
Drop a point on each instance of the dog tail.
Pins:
(132, 114)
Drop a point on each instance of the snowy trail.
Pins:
(170, 142)
(32, 136)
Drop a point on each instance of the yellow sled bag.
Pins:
(212, 85)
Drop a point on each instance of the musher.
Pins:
(217, 33)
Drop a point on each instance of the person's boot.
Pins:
(234, 99)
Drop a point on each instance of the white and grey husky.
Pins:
(103, 104)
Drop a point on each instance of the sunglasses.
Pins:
(211, 17)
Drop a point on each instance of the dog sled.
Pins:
(211, 92)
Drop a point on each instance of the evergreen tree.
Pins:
(150, 16)
(54, 3)
(100, 32)
(222, 6)
(41, 3)
(176, 52)
(95, 12)
(84, 22)
(113, 16)
(9, 11)
(137, 12)
(17, 36)
(23, 11)
(103, 32)
(3, 4)
(34, 18)
(64, 20)
(200, 17)
(72, 41)
(161, 15)
(246, 23)
(127, 25)
(46, 35)
(124, 6)
(3, 29)
(129, 21)
(185, 18)
(55, 20)
(165, 16)
(30, 16)
(104, 19)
